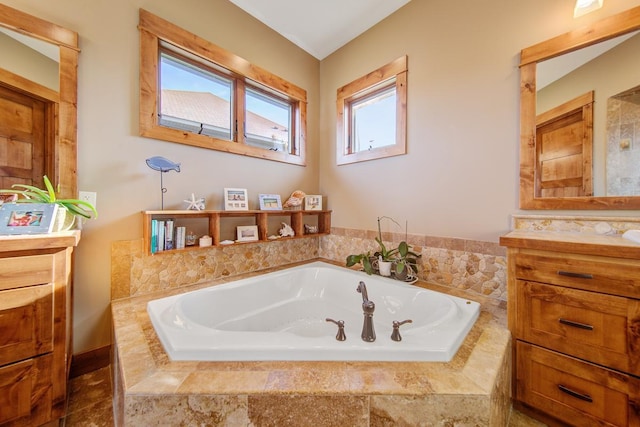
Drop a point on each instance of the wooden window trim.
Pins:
(153, 30)
(396, 69)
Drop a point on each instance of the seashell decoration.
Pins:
(295, 200)
(286, 230)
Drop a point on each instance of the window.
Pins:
(196, 93)
(372, 115)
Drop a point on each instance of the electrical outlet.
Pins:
(90, 196)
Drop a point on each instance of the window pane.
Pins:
(268, 121)
(194, 99)
(374, 120)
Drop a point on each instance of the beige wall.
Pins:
(28, 63)
(458, 180)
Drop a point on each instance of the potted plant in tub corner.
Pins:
(71, 207)
(406, 263)
(401, 260)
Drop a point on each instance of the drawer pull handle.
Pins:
(575, 324)
(575, 394)
(575, 275)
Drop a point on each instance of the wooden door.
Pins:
(23, 138)
(564, 149)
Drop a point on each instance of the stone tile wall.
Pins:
(471, 265)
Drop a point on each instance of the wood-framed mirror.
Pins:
(59, 128)
(532, 173)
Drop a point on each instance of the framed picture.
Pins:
(247, 233)
(312, 202)
(270, 202)
(235, 199)
(27, 218)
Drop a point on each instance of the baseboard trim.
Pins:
(89, 361)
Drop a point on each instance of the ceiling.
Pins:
(320, 26)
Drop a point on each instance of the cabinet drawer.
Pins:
(26, 322)
(25, 271)
(574, 391)
(15, 390)
(607, 275)
(604, 329)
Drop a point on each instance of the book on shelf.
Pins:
(154, 236)
(168, 235)
(161, 231)
(180, 237)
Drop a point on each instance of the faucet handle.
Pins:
(341, 336)
(395, 335)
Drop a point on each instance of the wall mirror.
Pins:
(579, 106)
(38, 80)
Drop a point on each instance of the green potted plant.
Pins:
(406, 263)
(401, 259)
(384, 256)
(31, 194)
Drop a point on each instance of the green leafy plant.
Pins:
(406, 259)
(31, 194)
(364, 259)
(402, 256)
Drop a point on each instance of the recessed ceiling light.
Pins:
(586, 6)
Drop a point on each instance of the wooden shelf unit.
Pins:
(258, 217)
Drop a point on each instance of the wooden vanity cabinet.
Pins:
(35, 327)
(574, 315)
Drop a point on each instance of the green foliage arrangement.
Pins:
(402, 256)
(31, 194)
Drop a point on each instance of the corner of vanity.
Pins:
(35, 304)
(574, 314)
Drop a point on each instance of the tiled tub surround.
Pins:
(479, 267)
(150, 389)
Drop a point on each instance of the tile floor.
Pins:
(90, 403)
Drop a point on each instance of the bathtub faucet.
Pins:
(368, 334)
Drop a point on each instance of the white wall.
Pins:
(458, 180)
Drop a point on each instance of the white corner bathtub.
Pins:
(281, 316)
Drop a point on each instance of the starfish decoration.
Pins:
(195, 204)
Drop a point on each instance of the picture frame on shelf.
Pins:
(270, 202)
(313, 202)
(247, 233)
(27, 218)
(236, 199)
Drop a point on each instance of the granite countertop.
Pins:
(573, 242)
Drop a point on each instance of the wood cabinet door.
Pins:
(23, 136)
(564, 146)
(26, 322)
(573, 391)
(595, 327)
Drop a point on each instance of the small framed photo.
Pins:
(270, 202)
(27, 218)
(235, 199)
(247, 233)
(312, 202)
